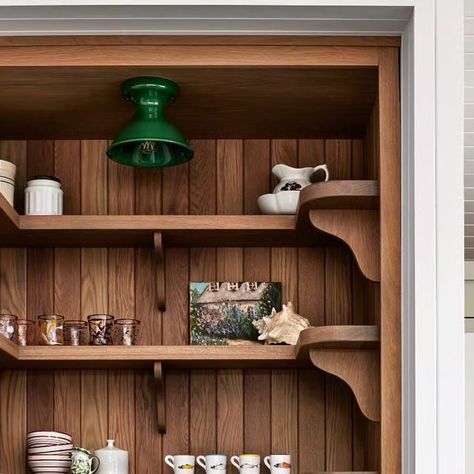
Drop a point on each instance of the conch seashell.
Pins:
(282, 327)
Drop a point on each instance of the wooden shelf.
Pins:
(247, 356)
(187, 230)
(159, 358)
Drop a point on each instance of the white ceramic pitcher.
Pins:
(295, 179)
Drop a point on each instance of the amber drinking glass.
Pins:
(50, 330)
(25, 334)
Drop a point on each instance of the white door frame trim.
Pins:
(432, 168)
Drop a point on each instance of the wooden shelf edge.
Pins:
(337, 337)
(338, 194)
(353, 338)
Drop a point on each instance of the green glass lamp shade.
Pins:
(149, 140)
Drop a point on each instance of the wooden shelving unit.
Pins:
(130, 241)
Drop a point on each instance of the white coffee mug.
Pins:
(278, 463)
(181, 464)
(247, 463)
(213, 463)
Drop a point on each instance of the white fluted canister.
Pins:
(43, 196)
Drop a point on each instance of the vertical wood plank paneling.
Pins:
(40, 299)
(338, 311)
(284, 268)
(202, 384)
(230, 409)
(226, 410)
(121, 291)
(13, 298)
(311, 304)
(148, 440)
(94, 297)
(257, 383)
(175, 319)
(67, 288)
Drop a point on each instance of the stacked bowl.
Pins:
(49, 451)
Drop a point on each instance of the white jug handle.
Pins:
(201, 460)
(324, 168)
(266, 460)
(170, 461)
(235, 461)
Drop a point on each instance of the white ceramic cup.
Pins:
(213, 463)
(278, 463)
(181, 463)
(247, 463)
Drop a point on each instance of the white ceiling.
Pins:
(469, 128)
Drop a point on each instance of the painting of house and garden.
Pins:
(222, 313)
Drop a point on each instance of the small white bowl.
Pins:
(283, 202)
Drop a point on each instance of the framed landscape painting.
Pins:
(223, 313)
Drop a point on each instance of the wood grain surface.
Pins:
(390, 235)
(257, 409)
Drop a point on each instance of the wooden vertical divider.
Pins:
(67, 289)
(13, 298)
(94, 296)
(121, 291)
(175, 319)
(147, 438)
(311, 305)
(390, 236)
(230, 409)
(257, 383)
(202, 384)
(40, 298)
(338, 311)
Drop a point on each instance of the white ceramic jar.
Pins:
(7, 180)
(43, 196)
(112, 459)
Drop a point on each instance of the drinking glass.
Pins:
(50, 330)
(25, 333)
(75, 332)
(100, 329)
(126, 332)
(8, 326)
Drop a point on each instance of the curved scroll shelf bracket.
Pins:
(359, 229)
(359, 369)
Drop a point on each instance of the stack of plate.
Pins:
(49, 451)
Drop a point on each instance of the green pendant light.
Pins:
(149, 140)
